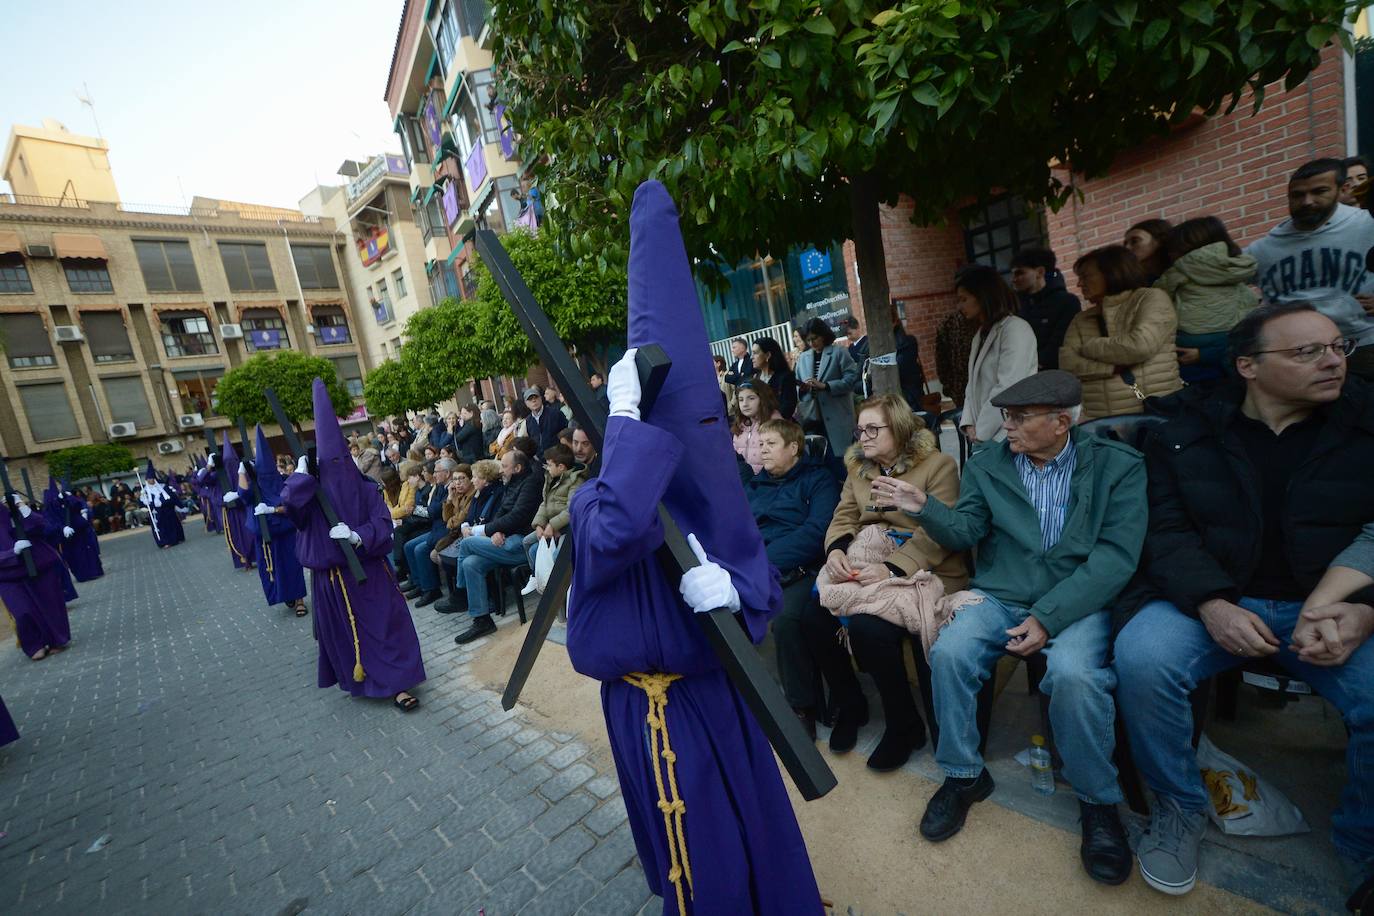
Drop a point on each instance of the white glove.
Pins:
(231, 497)
(342, 532)
(622, 388)
(303, 466)
(263, 509)
(24, 510)
(85, 513)
(243, 468)
(212, 462)
(19, 498)
(708, 586)
(479, 530)
(22, 544)
(68, 531)
(422, 511)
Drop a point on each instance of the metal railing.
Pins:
(248, 212)
(30, 200)
(782, 333)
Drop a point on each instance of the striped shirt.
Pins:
(1048, 489)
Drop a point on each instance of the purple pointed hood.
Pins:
(705, 496)
(270, 481)
(339, 476)
(54, 510)
(150, 472)
(230, 457)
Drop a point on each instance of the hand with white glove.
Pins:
(707, 587)
(212, 462)
(243, 468)
(342, 532)
(622, 387)
(263, 509)
(21, 544)
(303, 466)
(85, 513)
(24, 510)
(230, 498)
(68, 531)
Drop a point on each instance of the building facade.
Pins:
(118, 322)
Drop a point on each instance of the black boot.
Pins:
(851, 717)
(455, 603)
(481, 626)
(947, 808)
(1105, 853)
(808, 721)
(896, 747)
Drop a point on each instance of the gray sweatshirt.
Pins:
(1324, 266)
(1360, 554)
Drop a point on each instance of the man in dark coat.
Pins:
(1253, 492)
(1045, 301)
(544, 423)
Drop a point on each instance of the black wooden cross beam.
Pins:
(737, 655)
(17, 519)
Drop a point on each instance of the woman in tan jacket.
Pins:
(892, 441)
(1121, 346)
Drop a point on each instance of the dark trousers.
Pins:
(878, 647)
(798, 667)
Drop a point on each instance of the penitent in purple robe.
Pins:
(744, 848)
(162, 506)
(283, 578)
(386, 659)
(80, 552)
(8, 731)
(206, 482)
(37, 605)
(235, 517)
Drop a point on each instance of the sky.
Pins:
(252, 100)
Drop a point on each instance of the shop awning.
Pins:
(71, 245)
(9, 242)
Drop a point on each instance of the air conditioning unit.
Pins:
(39, 251)
(123, 430)
(67, 333)
(190, 420)
(170, 447)
(231, 331)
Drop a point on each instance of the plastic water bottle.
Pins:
(1041, 766)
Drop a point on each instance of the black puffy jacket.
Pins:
(1206, 521)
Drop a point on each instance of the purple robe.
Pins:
(81, 551)
(211, 498)
(37, 605)
(8, 731)
(166, 522)
(235, 518)
(281, 573)
(388, 647)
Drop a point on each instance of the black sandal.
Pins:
(409, 704)
(301, 609)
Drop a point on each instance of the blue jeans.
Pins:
(423, 573)
(1163, 654)
(1078, 682)
(478, 556)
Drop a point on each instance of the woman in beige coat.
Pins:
(1004, 349)
(1121, 346)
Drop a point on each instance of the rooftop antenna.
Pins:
(84, 97)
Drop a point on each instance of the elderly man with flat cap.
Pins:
(1058, 517)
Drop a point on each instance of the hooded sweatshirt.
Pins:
(1324, 266)
(1210, 289)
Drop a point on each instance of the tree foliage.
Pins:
(393, 387)
(290, 375)
(82, 461)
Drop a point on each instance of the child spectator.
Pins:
(756, 404)
(562, 476)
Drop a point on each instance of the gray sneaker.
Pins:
(1168, 850)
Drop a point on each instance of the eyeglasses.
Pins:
(1310, 353)
(868, 432)
(1016, 419)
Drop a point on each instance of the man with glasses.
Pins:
(1253, 493)
(1058, 517)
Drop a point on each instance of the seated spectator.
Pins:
(431, 454)
(565, 436)
(1046, 303)
(562, 476)
(391, 491)
(756, 406)
(1209, 281)
(1121, 346)
(424, 575)
(447, 452)
(413, 525)
(1254, 494)
(487, 489)
(367, 460)
(391, 458)
(1044, 580)
(1147, 241)
(543, 423)
(462, 489)
(499, 542)
(792, 500)
(440, 432)
(827, 378)
(555, 399)
(509, 430)
(883, 552)
(1003, 350)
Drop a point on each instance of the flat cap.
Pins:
(1051, 388)
(532, 393)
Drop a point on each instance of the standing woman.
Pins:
(826, 379)
(467, 436)
(770, 365)
(1148, 241)
(756, 407)
(798, 348)
(1121, 346)
(1004, 349)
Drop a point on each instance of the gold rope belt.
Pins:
(358, 673)
(267, 558)
(655, 687)
(224, 519)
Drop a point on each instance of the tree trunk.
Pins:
(871, 263)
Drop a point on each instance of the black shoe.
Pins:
(828, 713)
(412, 593)
(1105, 853)
(845, 734)
(429, 598)
(808, 721)
(455, 603)
(896, 748)
(405, 585)
(947, 808)
(481, 626)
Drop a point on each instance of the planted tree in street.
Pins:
(789, 122)
(394, 387)
(84, 461)
(289, 374)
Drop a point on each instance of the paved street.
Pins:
(184, 725)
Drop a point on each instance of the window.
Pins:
(128, 401)
(995, 233)
(431, 218)
(167, 266)
(331, 325)
(108, 338)
(26, 341)
(49, 412)
(398, 280)
(196, 388)
(467, 282)
(350, 374)
(446, 38)
(264, 329)
(187, 334)
(246, 266)
(412, 140)
(315, 266)
(381, 290)
(87, 275)
(14, 275)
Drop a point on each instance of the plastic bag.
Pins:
(544, 556)
(1243, 804)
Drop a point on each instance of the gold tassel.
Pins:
(358, 673)
(224, 520)
(674, 808)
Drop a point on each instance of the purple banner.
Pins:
(396, 165)
(475, 167)
(266, 339)
(333, 333)
(507, 133)
(432, 124)
(450, 200)
(381, 310)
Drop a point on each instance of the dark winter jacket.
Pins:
(519, 502)
(793, 511)
(467, 442)
(1206, 522)
(1049, 313)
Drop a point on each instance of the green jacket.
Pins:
(1096, 555)
(1210, 289)
(553, 508)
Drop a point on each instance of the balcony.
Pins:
(380, 167)
(375, 245)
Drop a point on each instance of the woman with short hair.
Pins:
(827, 377)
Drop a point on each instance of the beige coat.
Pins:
(1009, 355)
(932, 471)
(1141, 324)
